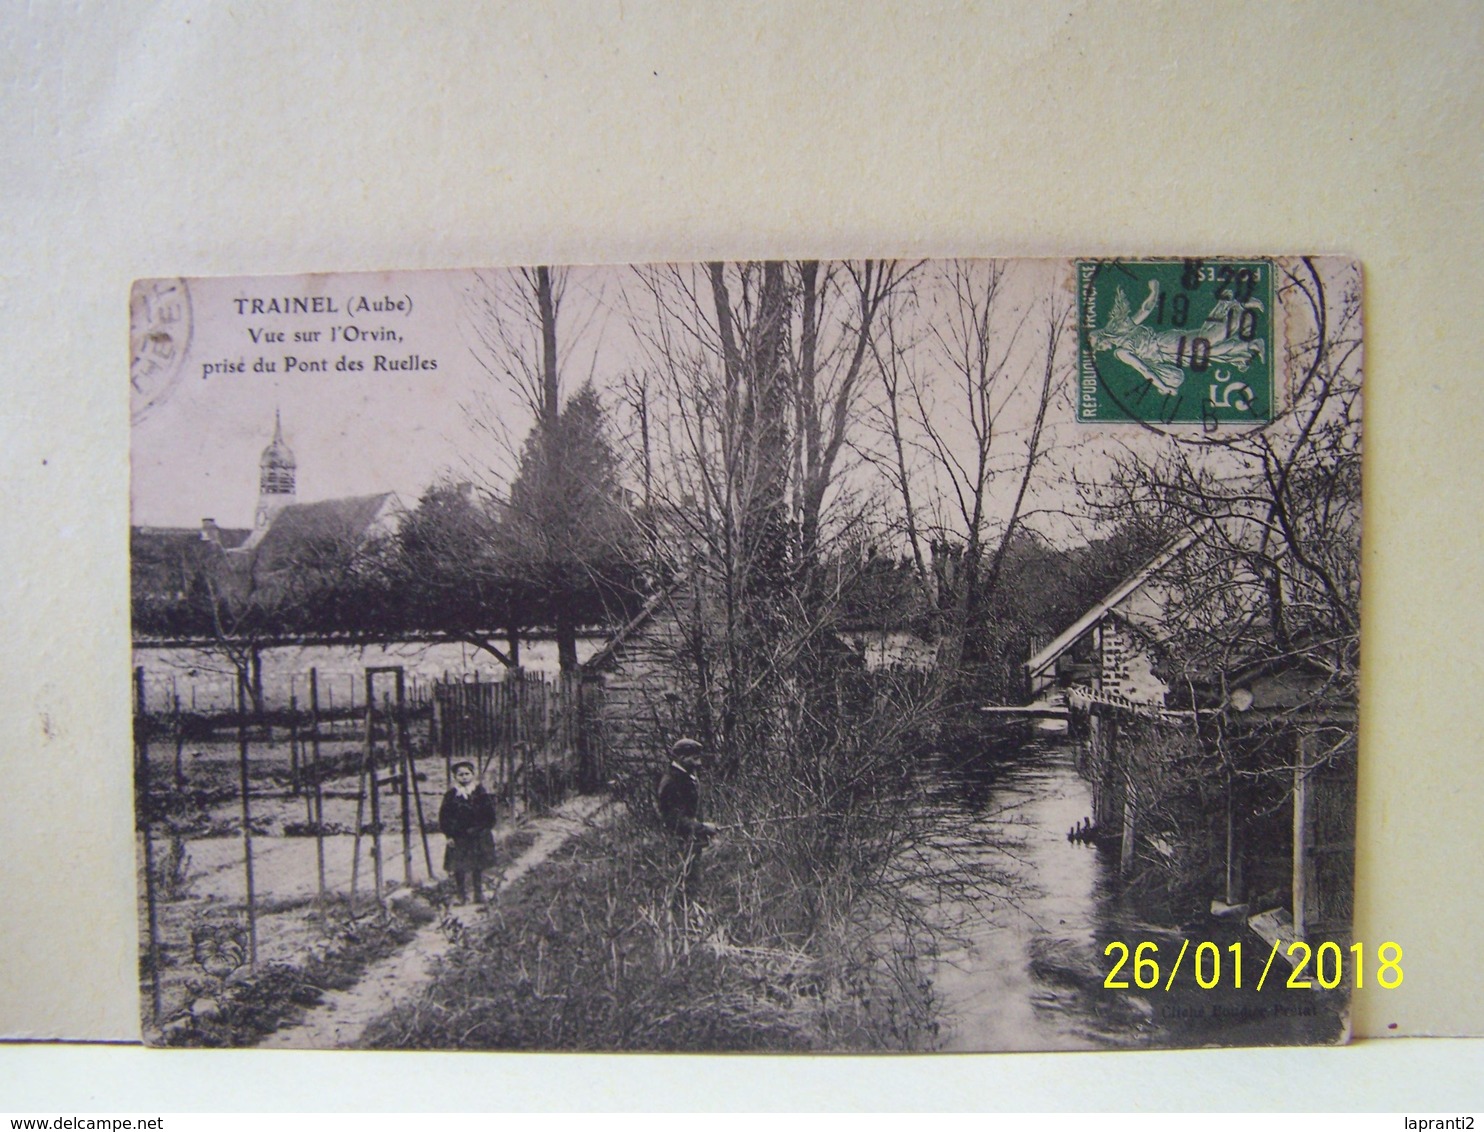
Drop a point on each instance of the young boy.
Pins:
(678, 796)
(466, 818)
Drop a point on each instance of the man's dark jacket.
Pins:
(678, 799)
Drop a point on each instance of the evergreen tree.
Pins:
(567, 531)
(455, 578)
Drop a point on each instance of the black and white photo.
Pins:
(806, 656)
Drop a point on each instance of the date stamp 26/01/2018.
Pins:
(1211, 968)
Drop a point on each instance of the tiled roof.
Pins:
(156, 540)
(164, 560)
(304, 531)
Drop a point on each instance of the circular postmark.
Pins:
(159, 337)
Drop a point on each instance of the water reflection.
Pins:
(1023, 966)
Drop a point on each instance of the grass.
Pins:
(616, 944)
(586, 953)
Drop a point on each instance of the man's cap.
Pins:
(686, 748)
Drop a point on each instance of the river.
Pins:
(1025, 968)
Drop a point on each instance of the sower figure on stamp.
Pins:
(1156, 355)
(467, 819)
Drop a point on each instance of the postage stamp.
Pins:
(1175, 341)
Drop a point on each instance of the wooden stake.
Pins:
(319, 792)
(355, 852)
(375, 794)
(405, 778)
(252, 909)
(141, 747)
(422, 822)
(295, 783)
(179, 744)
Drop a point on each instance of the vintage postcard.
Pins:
(808, 656)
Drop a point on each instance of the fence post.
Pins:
(545, 741)
(577, 732)
(295, 784)
(517, 684)
(355, 846)
(435, 728)
(417, 795)
(406, 778)
(257, 687)
(586, 750)
(319, 792)
(376, 864)
(179, 743)
(252, 910)
(142, 813)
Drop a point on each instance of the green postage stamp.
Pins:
(1175, 341)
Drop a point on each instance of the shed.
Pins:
(1270, 733)
(1108, 649)
(647, 681)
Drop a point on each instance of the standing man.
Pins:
(678, 796)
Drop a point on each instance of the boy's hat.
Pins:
(460, 764)
(686, 749)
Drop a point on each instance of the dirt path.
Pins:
(342, 1017)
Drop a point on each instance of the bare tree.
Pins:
(840, 313)
(1277, 574)
(950, 378)
(1260, 644)
(755, 380)
(513, 318)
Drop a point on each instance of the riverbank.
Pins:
(623, 940)
(1035, 973)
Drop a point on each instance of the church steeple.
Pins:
(277, 470)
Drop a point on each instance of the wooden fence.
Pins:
(247, 773)
(533, 738)
(279, 765)
(211, 693)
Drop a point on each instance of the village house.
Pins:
(1239, 776)
(646, 684)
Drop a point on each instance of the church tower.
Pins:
(277, 470)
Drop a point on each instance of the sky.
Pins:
(291, 345)
(195, 449)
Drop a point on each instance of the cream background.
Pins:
(185, 139)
